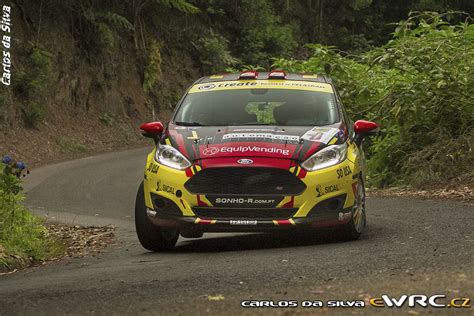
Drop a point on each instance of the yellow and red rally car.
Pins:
(253, 152)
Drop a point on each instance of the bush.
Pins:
(153, 67)
(419, 87)
(31, 85)
(33, 112)
(22, 237)
(259, 33)
(214, 54)
(106, 119)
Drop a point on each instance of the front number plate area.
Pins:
(243, 222)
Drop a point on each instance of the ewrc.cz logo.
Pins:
(410, 301)
(438, 301)
(243, 149)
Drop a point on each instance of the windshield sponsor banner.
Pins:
(247, 149)
(271, 130)
(262, 84)
(262, 136)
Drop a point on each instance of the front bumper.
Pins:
(326, 201)
(324, 214)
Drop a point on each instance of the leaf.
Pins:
(469, 33)
(180, 5)
(218, 297)
(116, 20)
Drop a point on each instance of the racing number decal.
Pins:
(343, 172)
(153, 168)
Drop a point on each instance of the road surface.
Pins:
(409, 247)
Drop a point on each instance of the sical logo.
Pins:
(207, 86)
(210, 151)
(245, 161)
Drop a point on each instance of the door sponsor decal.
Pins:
(320, 134)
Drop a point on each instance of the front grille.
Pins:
(242, 213)
(245, 181)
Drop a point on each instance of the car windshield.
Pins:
(285, 107)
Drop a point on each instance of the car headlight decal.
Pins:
(327, 157)
(171, 157)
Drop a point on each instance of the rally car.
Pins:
(253, 152)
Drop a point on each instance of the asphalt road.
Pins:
(409, 247)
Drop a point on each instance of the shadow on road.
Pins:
(256, 241)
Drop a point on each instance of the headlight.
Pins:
(326, 157)
(171, 157)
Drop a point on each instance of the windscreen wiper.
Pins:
(189, 124)
(255, 123)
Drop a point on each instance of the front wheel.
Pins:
(354, 228)
(152, 237)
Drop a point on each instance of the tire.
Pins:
(355, 227)
(152, 237)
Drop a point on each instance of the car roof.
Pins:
(264, 75)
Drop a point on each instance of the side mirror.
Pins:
(364, 128)
(152, 130)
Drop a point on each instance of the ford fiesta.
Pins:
(253, 152)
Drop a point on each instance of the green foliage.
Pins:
(31, 83)
(104, 26)
(106, 119)
(263, 35)
(33, 113)
(419, 86)
(180, 5)
(214, 53)
(105, 35)
(22, 237)
(153, 67)
(34, 77)
(447, 159)
(114, 19)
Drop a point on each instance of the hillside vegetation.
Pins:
(23, 240)
(420, 87)
(96, 69)
(85, 73)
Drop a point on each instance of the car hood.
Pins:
(229, 142)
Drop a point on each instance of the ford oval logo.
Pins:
(245, 161)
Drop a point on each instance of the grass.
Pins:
(23, 238)
(68, 145)
(106, 119)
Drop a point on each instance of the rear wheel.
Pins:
(354, 228)
(152, 237)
